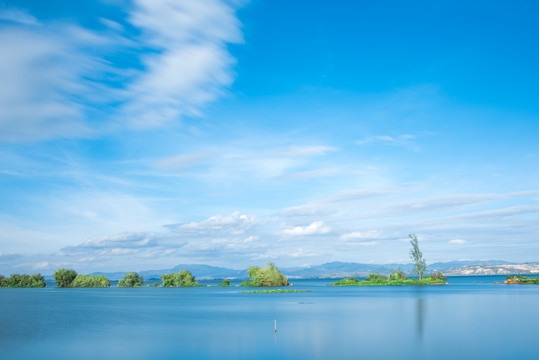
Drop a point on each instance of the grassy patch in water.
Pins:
(388, 282)
(272, 291)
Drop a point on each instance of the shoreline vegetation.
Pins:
(520, 280)
(397, 278)
(270, 276)
(22, 281)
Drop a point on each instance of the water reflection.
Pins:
(420, 314)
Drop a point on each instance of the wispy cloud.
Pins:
(316, 227)
(404, 140)
(191, 65)
(235, 224)
(52, 75)
(298, 151)
(312, 174)
(8, 256)
(357, 235)
(457, 241)
(181, 162)
(18, 16)
(117, 244)
(331, 204)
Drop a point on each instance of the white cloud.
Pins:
(191, 65)
(52, 72)
(371, 234)
(125, 240)
(235, 224)
(331, 204)
(441, 203)
(38, 73)
(316, 227)
(118, 244)
(457, 241)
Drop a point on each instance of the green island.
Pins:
(520, 280)
(398, 277)
(272, 291)
(22, 281)
(270, 276)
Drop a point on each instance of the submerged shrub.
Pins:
(90, 281)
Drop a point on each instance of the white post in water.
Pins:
(275, 325)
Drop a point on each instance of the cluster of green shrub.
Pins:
(131, 279)
(22, 281)
(395, 278)
(69, 278)
(265, 277)
(182, 279)
(225, 282)
(511, 279)
(91, 281)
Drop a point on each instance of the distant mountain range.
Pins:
(346, 269)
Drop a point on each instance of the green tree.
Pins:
(3, 281)
(420, 266)
(64, 277)
(268, 276)
(182, 279)
(131, 279)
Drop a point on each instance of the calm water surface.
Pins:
(469, 319)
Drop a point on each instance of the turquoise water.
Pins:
(471, 319)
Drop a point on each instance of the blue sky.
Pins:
(143, 134)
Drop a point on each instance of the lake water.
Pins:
(470, 318)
